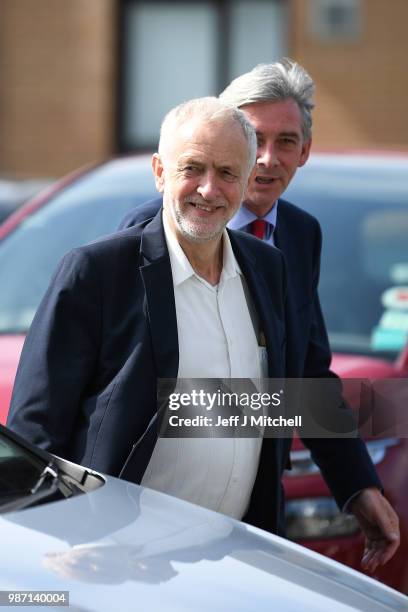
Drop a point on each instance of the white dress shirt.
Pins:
(216, 339)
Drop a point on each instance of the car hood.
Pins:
(10, 349)
(125, 547)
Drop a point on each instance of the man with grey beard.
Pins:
(179, 297)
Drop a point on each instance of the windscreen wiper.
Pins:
(46, 485)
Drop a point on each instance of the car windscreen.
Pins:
(90, 207)
(363, 211)
(30, 476)
(19, 470)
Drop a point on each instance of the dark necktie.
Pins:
(258, 228)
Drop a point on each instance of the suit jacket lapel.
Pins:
(281, 235)
(161, 308)
(271, 325)
(285, 234)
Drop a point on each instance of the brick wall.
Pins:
(362, 85)
(57, 90)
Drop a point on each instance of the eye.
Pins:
(228, 175)
(288, 141)
(190, 169)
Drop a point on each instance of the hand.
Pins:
(380, 526)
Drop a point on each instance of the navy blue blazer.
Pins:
(344, 463)
(106, 330)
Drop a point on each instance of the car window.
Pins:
(89, 208)
(363, 212)
(384, 237)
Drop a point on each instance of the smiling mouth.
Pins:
(265, 180)
(209, 209)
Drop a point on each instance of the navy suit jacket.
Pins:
(106, 330)
(343, 462)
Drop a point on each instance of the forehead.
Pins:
(281, 116)
(222, 141)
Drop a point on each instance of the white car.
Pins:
(69, 534)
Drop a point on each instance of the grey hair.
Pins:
(274, 82)
(210, 109)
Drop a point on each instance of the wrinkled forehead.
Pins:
(278, 115)
(221, 136)
(209, 126)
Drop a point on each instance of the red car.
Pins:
(362, 204)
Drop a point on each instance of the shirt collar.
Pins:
(182, 269)
(244, 217)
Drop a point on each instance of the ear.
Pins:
(158, 172)
(304, 156)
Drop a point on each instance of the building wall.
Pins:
(57, 86)
(59, 77)
(362, 85)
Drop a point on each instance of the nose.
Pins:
(208, 186)
(267, 156)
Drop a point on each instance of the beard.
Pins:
(195, 229)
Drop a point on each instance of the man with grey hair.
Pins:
(277, 99)
(178, 297)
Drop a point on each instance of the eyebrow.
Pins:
(196, 162)
(291, 134)
(187, 158)
(188, 161)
